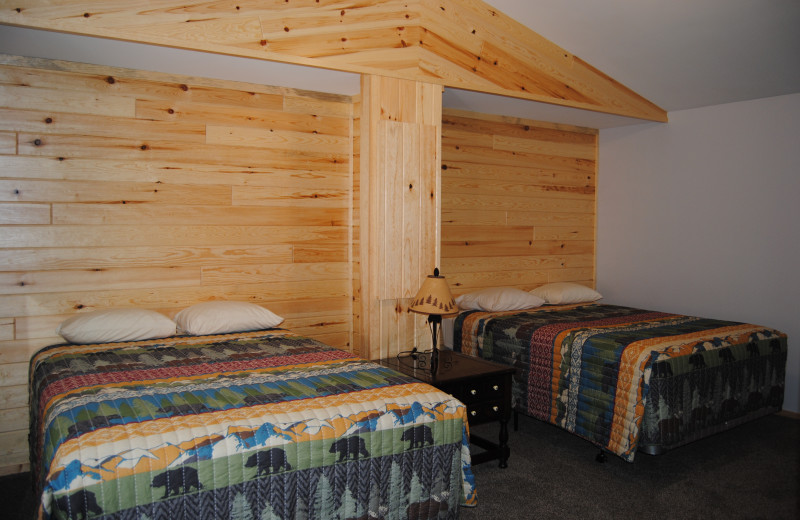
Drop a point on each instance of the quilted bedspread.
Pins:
(587, 367)
(263, 424)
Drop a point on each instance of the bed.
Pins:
(628, 379)
(260, 424)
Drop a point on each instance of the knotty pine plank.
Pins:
(516, 248)
(563, 233)
(263, 293)
(476, 217)
(518, 174)
(186, 236)
(533, 146)
(510, 126)
(271, 138)
(275, 118)
(69, 146)
(31, 282)
(163, 172)
(474, 154)
(19, 351)
(21, 190)
(15, 396)
(58, 122)
(17, 213)
(507, 263)
(276, 214)
(291, 197)
(460, 201)
(525, 279)
(550, 218)
(469, 186)
(486, 233)
(23, 97)
(40, 259)
(8, 143)
(230, 275)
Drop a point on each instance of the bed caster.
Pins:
(601, 457)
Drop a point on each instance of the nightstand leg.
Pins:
(503, 447)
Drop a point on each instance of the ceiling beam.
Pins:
(465, 44)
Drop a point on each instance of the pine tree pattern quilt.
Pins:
(597, 370)
(257, 425)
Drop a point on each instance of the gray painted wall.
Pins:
(701, 216)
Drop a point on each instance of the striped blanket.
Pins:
(587, 368)
(263, 424)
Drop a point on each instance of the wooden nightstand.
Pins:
(484, 386)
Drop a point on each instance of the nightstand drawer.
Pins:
(478, 390)
(484, 412)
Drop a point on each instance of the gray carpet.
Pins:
(750, 472)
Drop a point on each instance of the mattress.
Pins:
(626, 378)
(264, 424)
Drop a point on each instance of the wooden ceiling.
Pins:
(464, 44)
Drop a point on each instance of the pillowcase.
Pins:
(566, 292)
(498, 299)
(220, 317)
(113, 325)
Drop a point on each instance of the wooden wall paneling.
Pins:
(355, 220)
(8, 142)
(518, 202)
(124, 188)
(400, 169)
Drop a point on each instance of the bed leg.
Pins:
(601, 457)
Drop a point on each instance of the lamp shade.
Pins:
(434, 297)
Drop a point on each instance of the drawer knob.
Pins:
(473, 413)
(473, 392)
(496, 388)
(495, 408)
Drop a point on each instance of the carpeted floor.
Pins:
(750, 472)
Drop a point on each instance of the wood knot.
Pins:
(48, 120)
(110, 80)
(184, 88)
(37, 142)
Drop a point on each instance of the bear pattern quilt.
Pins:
(264, 424)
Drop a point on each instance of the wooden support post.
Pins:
(400, 223)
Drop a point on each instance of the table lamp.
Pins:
(435, 300)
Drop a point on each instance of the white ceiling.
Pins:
(679, 54)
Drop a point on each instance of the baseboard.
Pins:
(786, 413)
(13, 469)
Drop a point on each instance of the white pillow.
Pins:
(220, 317)
(566, 292)
(498, 299)
(113, 325)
